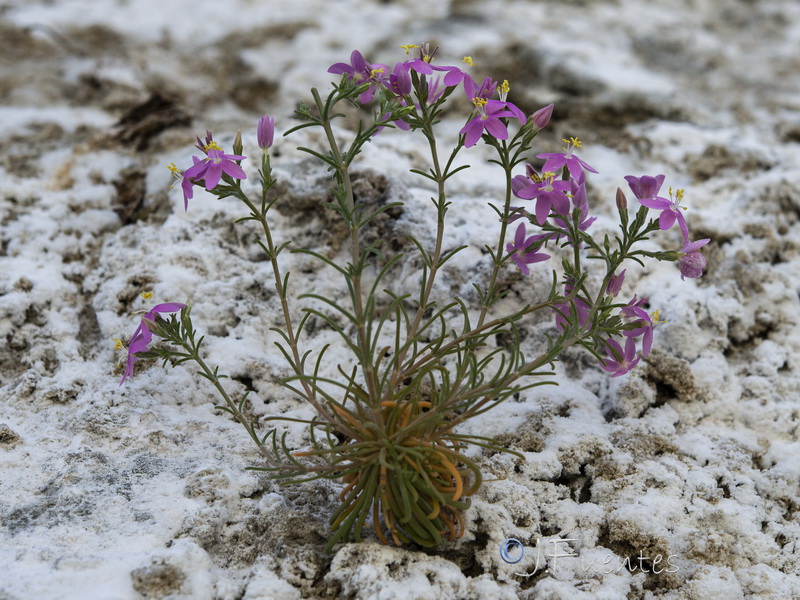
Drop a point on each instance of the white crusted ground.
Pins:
(140, 491)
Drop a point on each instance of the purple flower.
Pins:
(142, 336)
(265, 132)
(636, 315)
(542, 116)
(519, 248)
(615, 284)
(399, 80)
(357, 69)
(646, 190)
(186, 183)
(484, 91)
(489, 114)
(620, 361)
(645, 187)
(549, 194)
(423, 66)
(211, 168)
(554, 161)
(361, 71)
(692, 262)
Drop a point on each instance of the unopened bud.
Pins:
(237, 143)
(265, 133)
(622, 201)
(615, 284)
(542, 116)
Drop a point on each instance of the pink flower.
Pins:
(489, 114)
(399, 80)
(692, 262)
(554, 161)
(549, 193)
(620, 361)
(646, 190)
(636, 315)
(361, 71)
(519, 248)
(214, 165)
(423, 66)
(186, 183)
(142, 336)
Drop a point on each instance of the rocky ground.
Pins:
(141, 491)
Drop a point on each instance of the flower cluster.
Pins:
(387, 428)
(559, 192)
(646, 190)
(489, 115)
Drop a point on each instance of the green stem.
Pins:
(310, 393)
(367, 365)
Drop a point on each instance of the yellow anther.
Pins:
(175, 170)
(548, 175)
(677, 197)
(427, 58)
(409, 47)
(375, 72)
(118, 345)
(535, 177)
(212, 146)
(479, 102)
(655, 318)
(468, 60)
(504, 87)
(147, 295)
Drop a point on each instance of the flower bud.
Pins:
(692, 264)
(237, 143)
(622, 201)
(266, 132)
(615, 284)
(542, 116)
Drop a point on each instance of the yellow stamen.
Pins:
(409, 47)
(479, 102)
(118, 345)
(655, 318)
(505, 88)
(468, 60)
(375, 72)
(175, 170)
(147, 295)
(212, 146)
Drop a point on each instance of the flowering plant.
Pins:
(388, 425)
